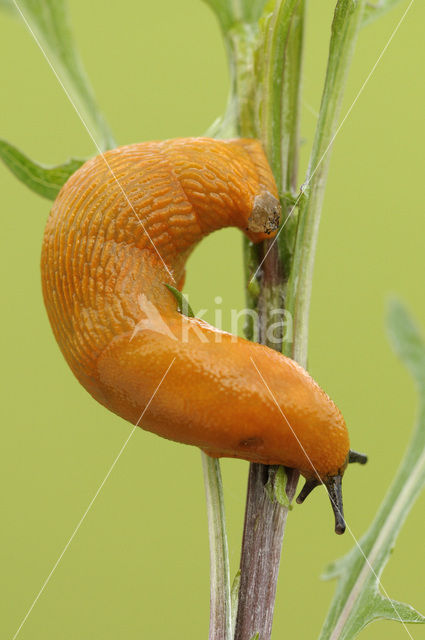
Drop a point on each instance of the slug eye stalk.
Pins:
(355, 456)
(334, 488)
(333, 485)
(308, 487)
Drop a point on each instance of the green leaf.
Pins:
(256, 636)
(344, 32)
(184, 306)
(46, 181)
(373, 11)
(386, 608)
(358, 599)
(275, 486)
(280, 482)
(48, 21)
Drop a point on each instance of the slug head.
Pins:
(265, 216)
(333, 485)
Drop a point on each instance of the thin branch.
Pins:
(262, 542)
(345, 28)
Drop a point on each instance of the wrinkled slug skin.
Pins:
(118, 325)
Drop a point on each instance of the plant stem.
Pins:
(220, 593)
(274, 52)
(345, 28)
(264, 521)
(279, 128)
(262, 542)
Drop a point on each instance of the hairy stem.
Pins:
(258, 579)
(278, 127)
(262, 541)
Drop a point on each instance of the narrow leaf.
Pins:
(358, 599)
(46, 181)
(48, 20)
(394, 610)
(184, 306)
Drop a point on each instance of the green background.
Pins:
(138, 567)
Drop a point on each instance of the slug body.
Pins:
(123, 226)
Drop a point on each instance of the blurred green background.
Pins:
(138, 567)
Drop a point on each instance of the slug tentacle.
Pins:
(333, 485)
(310, 484)
(121, 229)
(355, 456)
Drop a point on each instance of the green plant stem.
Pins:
(279, 122)
(265, 102)
(272, 278)
(220, 591)
(345, 28)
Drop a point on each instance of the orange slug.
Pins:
(120, 229)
